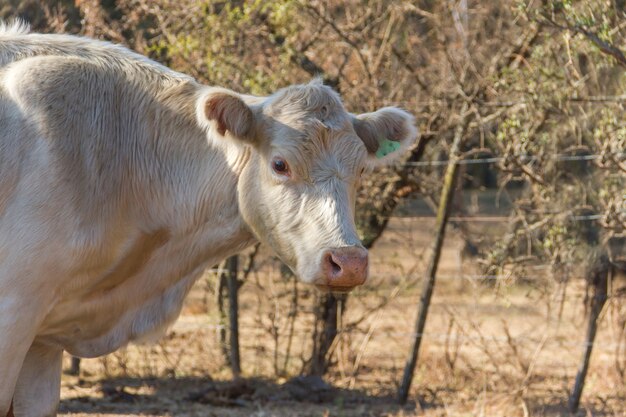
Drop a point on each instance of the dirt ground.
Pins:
(505, 346)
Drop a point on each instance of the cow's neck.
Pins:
(202, 178)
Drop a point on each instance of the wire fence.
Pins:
(452, 337)
(523, 158)
(499, 219)
(621, 99)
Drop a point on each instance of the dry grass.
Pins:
(493, 349)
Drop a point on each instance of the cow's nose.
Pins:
(345, 268)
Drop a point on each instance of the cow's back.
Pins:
(84, 113)
(16, 42)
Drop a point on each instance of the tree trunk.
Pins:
(233, 313)
(443, 212)
(599, 283)
(75, 366)
(229, 283)
(222, 295)
(327, 314)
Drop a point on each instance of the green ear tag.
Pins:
(385, 147)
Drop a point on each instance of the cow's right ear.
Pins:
(227, 114)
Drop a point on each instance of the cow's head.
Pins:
(297, 190)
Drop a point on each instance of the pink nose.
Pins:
(344, 268)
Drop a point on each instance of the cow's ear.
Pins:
(386, 133)
(227, 114)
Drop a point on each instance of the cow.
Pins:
(122, 180)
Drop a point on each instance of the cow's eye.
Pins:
(280, 166)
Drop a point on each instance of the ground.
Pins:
(505, 346)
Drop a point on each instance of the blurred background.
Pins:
(521, 102)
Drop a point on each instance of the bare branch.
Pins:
(604, 46)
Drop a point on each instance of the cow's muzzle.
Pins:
(343, 268)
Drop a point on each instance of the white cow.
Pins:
(122, 180)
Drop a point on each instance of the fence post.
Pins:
(232, 264)
(599, 282)
(443, 212)
(228, 284)
(327, 313)
(75, 366)
(222, 294)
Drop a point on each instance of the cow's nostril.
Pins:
(336, 268)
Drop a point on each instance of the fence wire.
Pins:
(523, 158)
(454, 337)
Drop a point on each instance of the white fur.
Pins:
(17, 27)
(116, 193)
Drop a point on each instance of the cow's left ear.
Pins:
(386, 133)
(227, 114)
